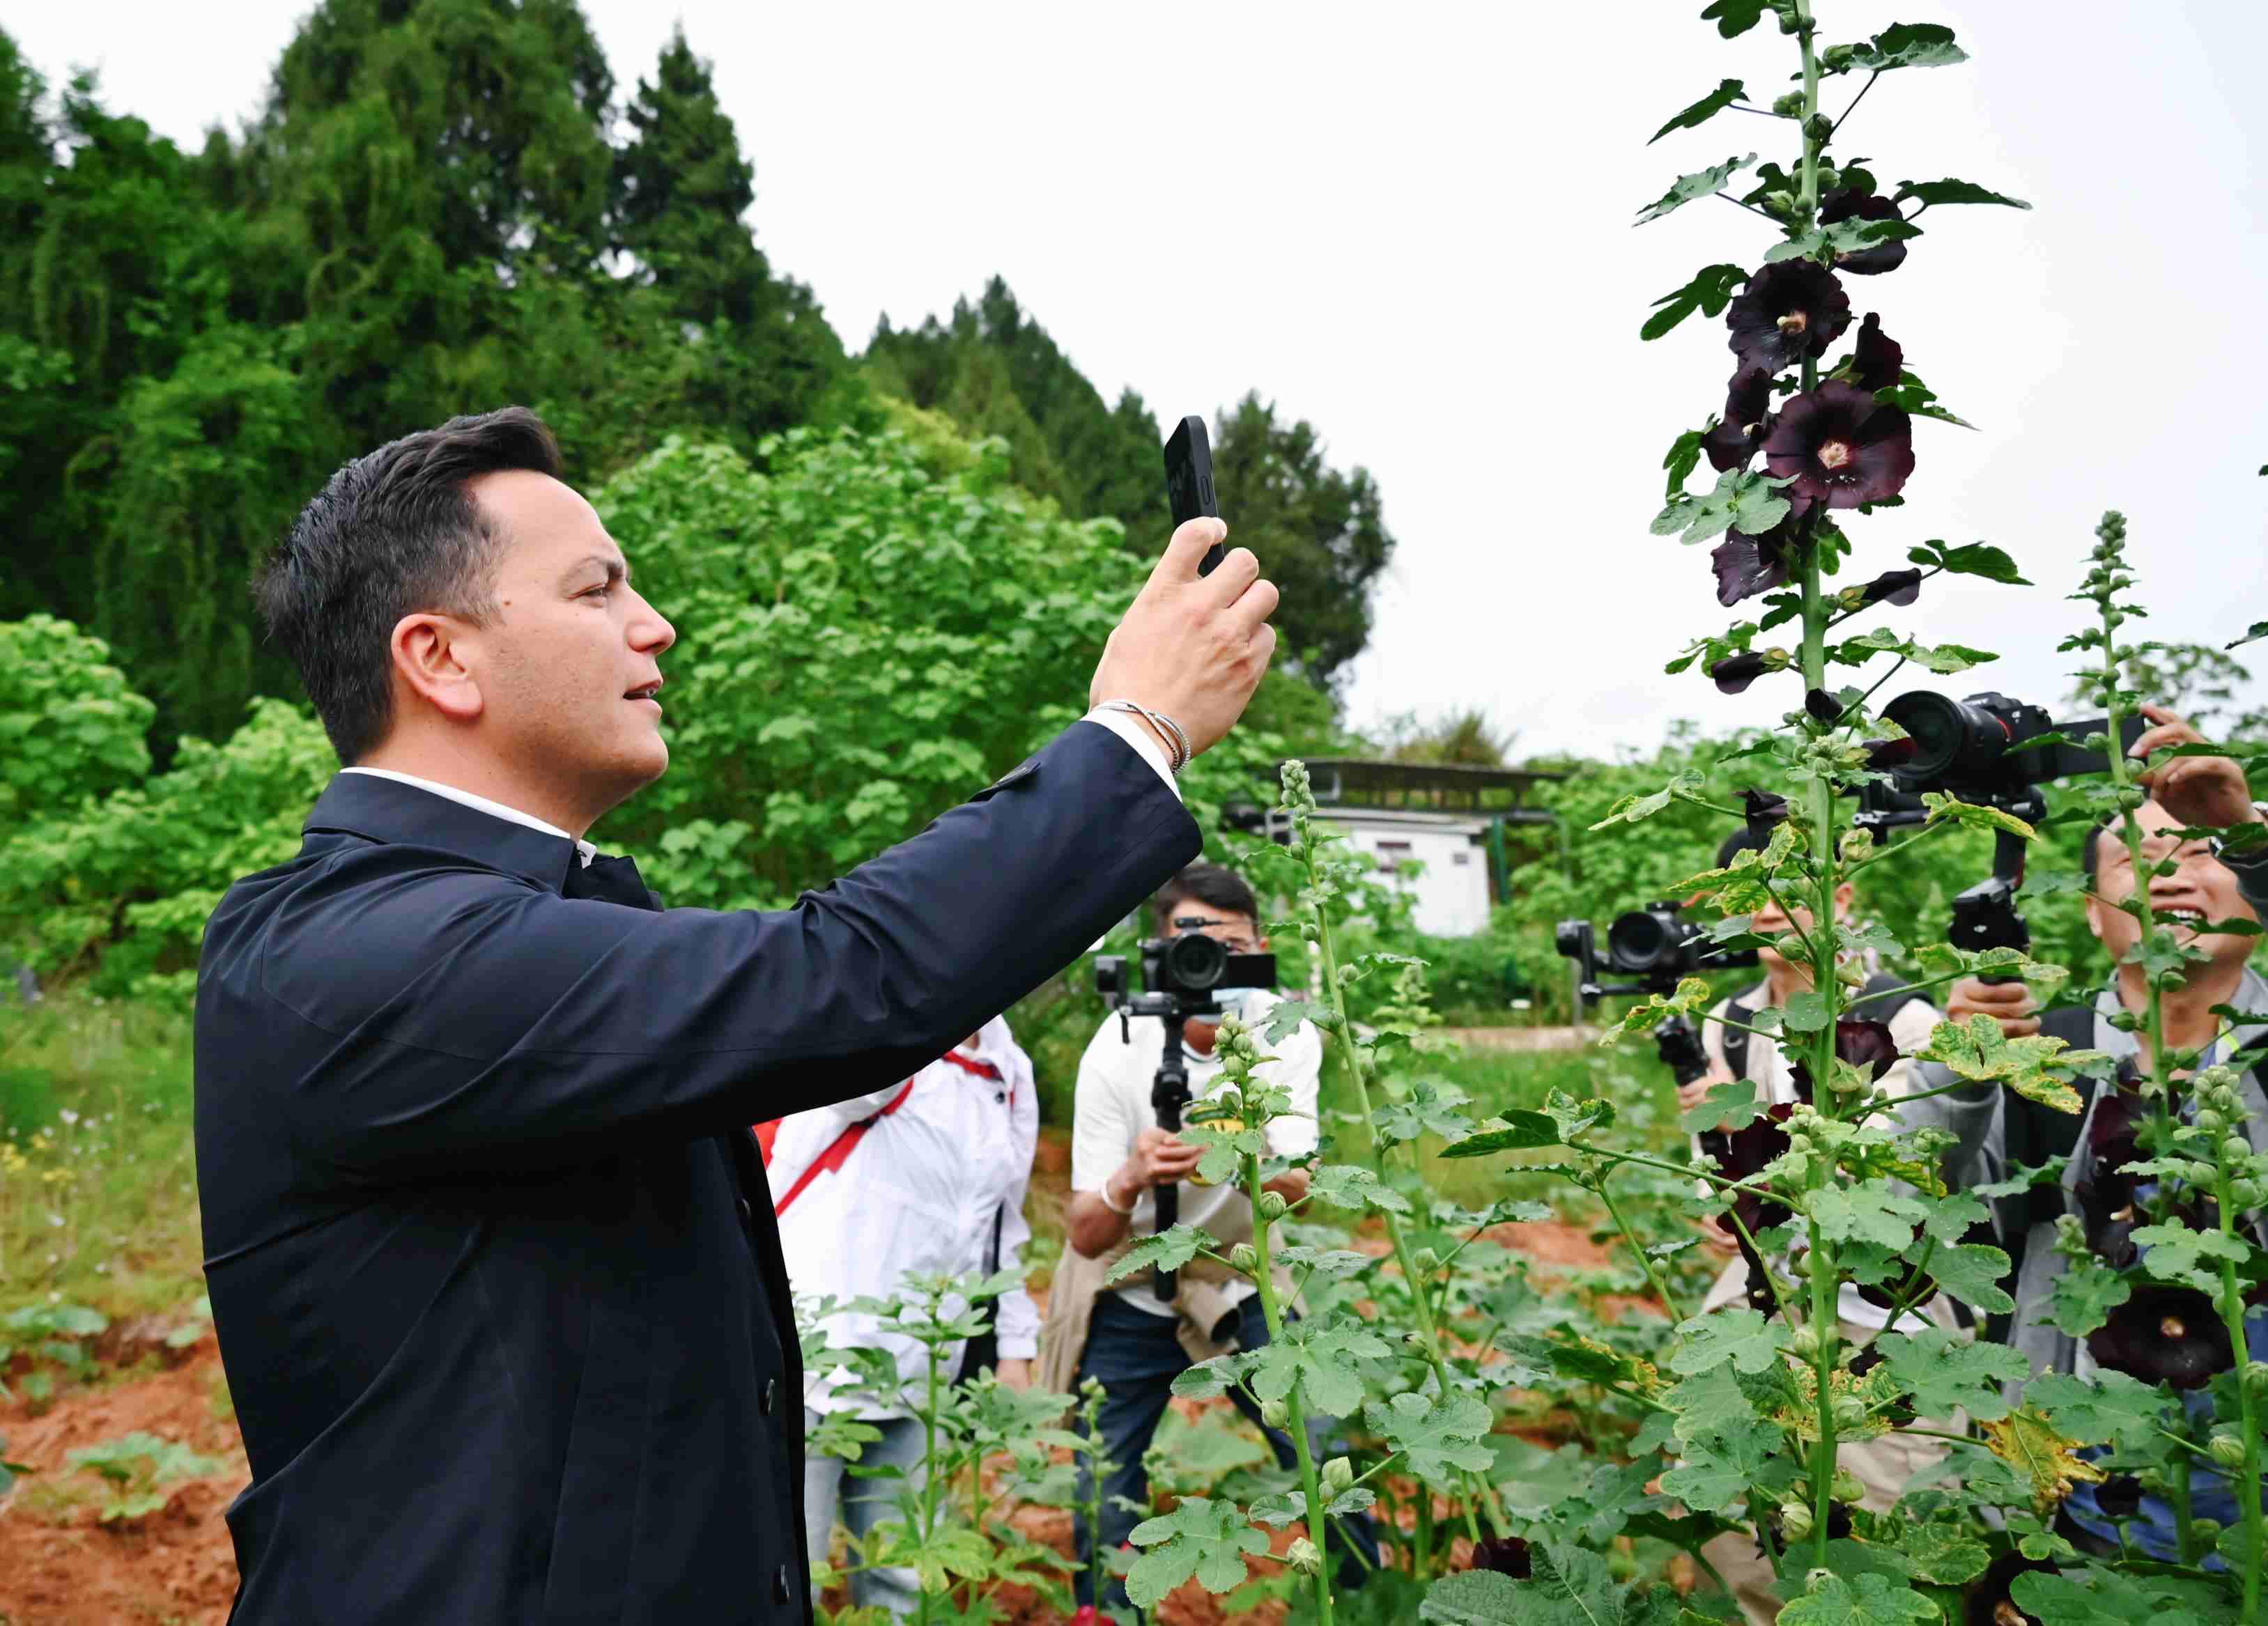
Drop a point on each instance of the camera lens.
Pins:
(1636, 941)
(1194, 960)
(1951, 739)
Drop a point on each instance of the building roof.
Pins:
(1354, 781)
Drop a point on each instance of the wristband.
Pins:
(1176, 741)
(1123, 1213)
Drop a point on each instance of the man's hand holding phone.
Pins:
(1193, 646)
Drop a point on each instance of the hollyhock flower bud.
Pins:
(1272, 1204)
(1245, 1257)
(1275, 1414)
(2235, 1149)
(1795, 1519)
(1790, 312)
(1850, 1413)
(1877, 360)
(1847, 1488)
(1891, 586)
(1748, 412)
(1338, 1475)
(2227, 1450)
(1736, 672)
(1305, 1556)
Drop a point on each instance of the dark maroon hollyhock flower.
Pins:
(1747, 565)
(1736, 672)
(2164, 1335)
(1848, 202)
(1862, 1044)
(1748, 414)
(1823, 707)
(1989, 1604)
(1891, 586)
(1506, 1555)
(2119, 1496)
(1742, 1154)
(1878, 360)
(1789, 311)
(1760, 810)
(1842, 446)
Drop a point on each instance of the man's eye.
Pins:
(601, 590)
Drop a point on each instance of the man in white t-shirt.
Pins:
(1134, 1343)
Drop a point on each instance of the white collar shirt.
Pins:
(584, 849)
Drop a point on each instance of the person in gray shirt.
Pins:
(2209, 883)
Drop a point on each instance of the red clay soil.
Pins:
(60, 1566)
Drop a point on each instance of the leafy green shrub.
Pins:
(70, 727)
(120, 887)
(138, 1467)
(45, 1335)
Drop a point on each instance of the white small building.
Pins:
(1436, 829)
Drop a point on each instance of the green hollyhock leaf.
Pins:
(1978, 1051)
(1974, 559)
(1712, 289)
(1721, 1464)
(1431, 1110)
(1709, 1399)
(1901, 45)
(1732, 1106)
(1522, 1129)
(1934, 192)
(1805, 1012)
(1699, 184)
(1350, 1185)
(1739, 1336)
(1972, 1272)
(1475, 1598)
(2085, 1295)
(1735, 18)
(1436, 1437)
(2173, 1251)
(1872, 1599)
(1318, 1359)
(1943, 1373)
(1167, 1250)
(2110, 1408)
(1727, 93)
(1201, 1537)
(1941, 1554)
(1866, 1212)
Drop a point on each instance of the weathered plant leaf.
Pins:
(2028, 1443)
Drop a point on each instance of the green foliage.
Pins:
(69, 726)
(138, 1467)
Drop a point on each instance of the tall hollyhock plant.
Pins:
(1819, 429)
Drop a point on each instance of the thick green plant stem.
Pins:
(1825, 1273)
(2247, 1488)
(929, 1479)
(1264, 1276)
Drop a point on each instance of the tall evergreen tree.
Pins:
(1321, 532)
(764, 355)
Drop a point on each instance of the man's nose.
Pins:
(650, 630)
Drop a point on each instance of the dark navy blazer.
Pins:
(494, 1269)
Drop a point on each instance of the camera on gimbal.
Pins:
(1182, 976)
(1655, 945)
(1991, 751)
(1184, 968)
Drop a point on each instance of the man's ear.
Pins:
(428, 659)
(2094, 917)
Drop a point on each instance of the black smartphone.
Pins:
(1189, 483)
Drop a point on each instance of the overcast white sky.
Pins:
(1410, 226)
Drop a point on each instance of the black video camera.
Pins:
(1994, 751)
(1179, 973)
(1655, 945)
(1184, 968)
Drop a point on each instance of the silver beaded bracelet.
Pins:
(1178, 740)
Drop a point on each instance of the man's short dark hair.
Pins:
(393, 532)
(1208, 884)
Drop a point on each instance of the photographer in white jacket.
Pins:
(925, 1175)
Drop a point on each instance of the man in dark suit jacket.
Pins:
(496, 1279)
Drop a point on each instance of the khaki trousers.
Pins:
(1882, 1465)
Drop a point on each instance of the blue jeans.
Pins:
(1136, 1356)
(863, 1504)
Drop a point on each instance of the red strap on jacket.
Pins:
(836, 1153)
